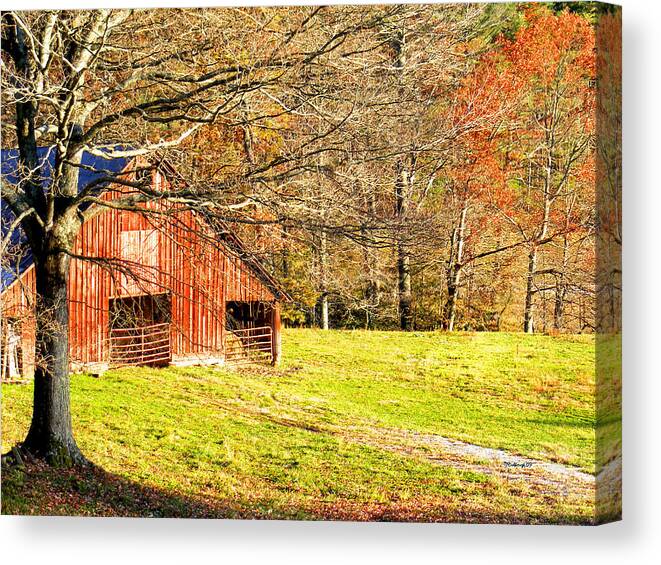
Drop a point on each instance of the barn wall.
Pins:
(200, 274)
(17, 303)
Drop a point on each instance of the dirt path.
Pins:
(547, 477)
(553, 479)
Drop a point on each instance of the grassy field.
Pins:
(312, 439)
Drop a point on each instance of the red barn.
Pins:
(154, 286)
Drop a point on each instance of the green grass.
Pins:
(262, 442)
(532, 395)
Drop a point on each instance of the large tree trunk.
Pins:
(324, 311)
(528, 323)
(402, 189)
(405, 295)
(50, 436)
(451, 305)
(559, 305)
(371, 293)
(561, 287)
(403, 257)
(403, 183)
(372, 302)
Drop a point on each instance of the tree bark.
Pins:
(403, 256)
(372, 302)
(371, 293)
(324, 311)
(559, 305)
(405, 295)
(561, 287)
(50, 435)
(403, 180)
(323, 260)
(528, 325)
(454, 270)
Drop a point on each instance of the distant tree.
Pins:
(551, 134)
(609, 172)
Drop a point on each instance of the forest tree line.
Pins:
(403, 166)
(456, 187)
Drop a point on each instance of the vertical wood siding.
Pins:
(175, 253)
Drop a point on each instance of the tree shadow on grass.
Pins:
(561, 423)
(36, 489)
(40, 490)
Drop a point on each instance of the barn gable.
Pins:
(93, 169)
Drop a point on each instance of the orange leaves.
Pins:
(482, 101)
(552, 47)
(525, 118)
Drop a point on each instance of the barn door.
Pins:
(248, 336)
(140, 330)
(140, 265)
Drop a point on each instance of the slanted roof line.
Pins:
(256, 266)
(253, 262)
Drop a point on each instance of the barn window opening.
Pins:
(140, 330)
(11, 353)
(142, 310)
(244, 315)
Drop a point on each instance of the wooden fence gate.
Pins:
(142, 345)
(249, 345)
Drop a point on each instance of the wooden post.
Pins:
(276, 344)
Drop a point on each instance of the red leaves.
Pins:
(552, 47)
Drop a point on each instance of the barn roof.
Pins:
(234, 243)
(93, 168)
